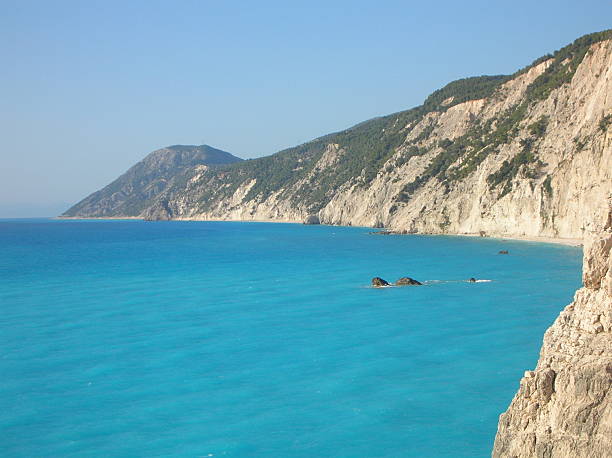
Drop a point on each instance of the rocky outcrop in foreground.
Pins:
(563, 408)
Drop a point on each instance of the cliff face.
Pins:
(563, 408)
(579, 175)
(556, 201)
(527, 155)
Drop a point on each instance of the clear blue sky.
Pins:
(88, 88)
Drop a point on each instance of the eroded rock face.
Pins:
(564, 407)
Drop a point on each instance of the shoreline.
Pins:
(575, 242)
(532, 238)
(510, 238)
(541, 239)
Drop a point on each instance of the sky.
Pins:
(88, 88)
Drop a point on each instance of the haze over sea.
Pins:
(127, 338)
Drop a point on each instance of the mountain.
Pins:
(510, 155)
(130, 194)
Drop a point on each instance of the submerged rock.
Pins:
(377, 282)
(405, 281)
(503, 252)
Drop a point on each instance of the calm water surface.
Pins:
(126, 338)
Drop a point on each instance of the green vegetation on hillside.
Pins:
(538, 128)
(462, 90)
(480, 141)
(526, 161)
(563, 66)
(365, 147)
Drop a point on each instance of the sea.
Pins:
(227, 339)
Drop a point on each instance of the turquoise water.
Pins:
(126, 338)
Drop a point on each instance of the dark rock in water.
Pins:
(503, 252)
(472, 280)
(405, 281)
(378, 282)
(312, 219)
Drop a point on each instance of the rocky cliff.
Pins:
(563, 408)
